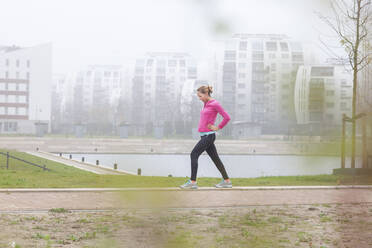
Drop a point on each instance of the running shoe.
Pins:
(223, 184)
(189, 185)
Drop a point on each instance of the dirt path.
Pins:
(89, 200)
(203, 218)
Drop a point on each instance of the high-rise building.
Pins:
(96, 93)
(322, 94)
(156, 90)
(25, 88)
(258, 75)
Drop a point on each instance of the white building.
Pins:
(25, 88)
(90, 95)
(156, 89)
(257, 81)
(322, 94)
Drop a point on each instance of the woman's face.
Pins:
(203, 97)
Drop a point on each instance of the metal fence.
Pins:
(8, 157)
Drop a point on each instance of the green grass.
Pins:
(21, 175)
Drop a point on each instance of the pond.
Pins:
(236, 165)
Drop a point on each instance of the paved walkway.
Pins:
(100, 199)
(79, 165)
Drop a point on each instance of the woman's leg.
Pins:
(200, 147)
(212, 152)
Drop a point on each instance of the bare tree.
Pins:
(350, 22)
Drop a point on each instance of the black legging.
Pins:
(206, 143)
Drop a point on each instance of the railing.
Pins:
(8, 157)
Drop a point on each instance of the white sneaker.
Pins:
(189, 185)
(223, 184)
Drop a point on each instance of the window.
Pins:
(161, 62)
(242, 55)
(323, 71)
(21, 111)
(149, 62)
(297, 57)
(343, 106)
(17, 62)
(241, 86)
(273, 67)
(11, 98)
(241, 75)
(22, 87)
(230, 55)
(271, 46)
(22, 99)
(257, 55)
(107, 74)
(10, 126)
(2, 110)
(17, 75)
(172, 62)
(28, 63)
(285, 55)
(12, 86)
(257, 45)
(272, 56)
(258, 66)
(241, 65)
(330, 104)
(6, 74)
(160, 70)
(182, 63)
(11, 110)
(2, 86)
(2, 98)
(7, 62)
(284, 46)
(243, 45)
(315, 116)
(241, 95)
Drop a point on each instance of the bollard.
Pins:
(7, 160)
(70, 156)
(139, 171)
(97, 162)
(115, 166)
(82, 159)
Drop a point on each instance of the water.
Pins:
(236, 165)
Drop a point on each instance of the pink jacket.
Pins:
(209, 113)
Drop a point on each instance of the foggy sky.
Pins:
(108, 31)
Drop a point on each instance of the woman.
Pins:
(207, 131)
